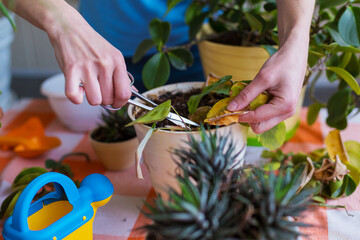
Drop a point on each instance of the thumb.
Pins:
(247, 95)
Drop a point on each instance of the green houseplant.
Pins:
(216, 201)
(333, 47)
(202, 104)
(334, 50)
(113, 143)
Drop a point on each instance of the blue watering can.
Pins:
(67, 213)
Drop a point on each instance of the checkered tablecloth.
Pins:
(119, 219)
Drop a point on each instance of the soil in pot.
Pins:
(179, 102)
(235, 38)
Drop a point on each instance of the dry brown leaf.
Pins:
(307, 173)
(331, 170)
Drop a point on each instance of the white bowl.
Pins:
(77, 117)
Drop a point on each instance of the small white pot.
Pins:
(80, 118)
(115, 156)
(157, 153)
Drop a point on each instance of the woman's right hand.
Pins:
(87, 58)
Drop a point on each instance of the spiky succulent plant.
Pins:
(219, 202)
(112, 128)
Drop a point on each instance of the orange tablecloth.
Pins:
(119, 219)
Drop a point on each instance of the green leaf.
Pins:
(171, 4)
(156, 71)
(143, 47)
(272, 166)
(274, 138)
(270, 49)
(195, 99)
(353, 66)
(28, 171)
(332, 29)
(269, 7)
(8, 204)
(341, 124)
(331, 3)
(335, 188)
(353, 150)
(196, 23)
(158, 114)
(347, 78)
(159, 31)
(193, 10)
(345, 59)
(313, 112)
(254, 22)
(4, 11)
(51, 164)
(346, 49)
(348, 28)
(350, 186)
(338, 103)
(180, 58)
(319, 199)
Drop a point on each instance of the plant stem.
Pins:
(312, 87)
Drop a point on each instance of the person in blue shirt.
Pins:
(94, 49)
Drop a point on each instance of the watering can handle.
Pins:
(22, 206)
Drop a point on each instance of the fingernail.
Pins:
(232, 106)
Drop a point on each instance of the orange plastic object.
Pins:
(29, 139)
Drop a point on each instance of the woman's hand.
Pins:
(88, 59)
(282, 76)
(83, 55)
(283, 73)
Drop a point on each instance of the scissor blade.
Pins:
(174, 118)
(182, 119)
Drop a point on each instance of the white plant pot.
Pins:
(115, 156)
(80, 118)
(6, 38)
(157, 153)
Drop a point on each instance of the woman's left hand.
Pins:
(282, 76)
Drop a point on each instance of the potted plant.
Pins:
(205, 105)
(334, 53)
(215, 201)
(113, 143)
(243, 33)
(7, 26)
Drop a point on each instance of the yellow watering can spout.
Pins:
(67, 213)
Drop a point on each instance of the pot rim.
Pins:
(206, 41)
(107, 143)
(163, 88)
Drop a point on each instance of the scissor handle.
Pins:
(138, 95)
(111, 108)
(132, 80)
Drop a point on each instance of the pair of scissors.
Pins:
(174, 118)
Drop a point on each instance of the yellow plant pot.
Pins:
(157, 154)
(116, 156)
(243, 63)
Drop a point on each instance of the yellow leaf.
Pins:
(219, 115)
(335, 146)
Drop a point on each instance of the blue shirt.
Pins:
(124, 23)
